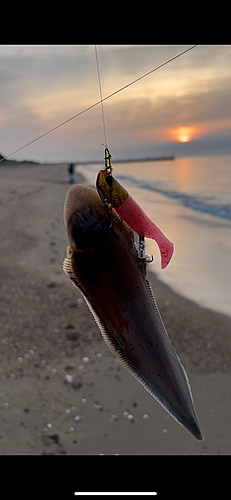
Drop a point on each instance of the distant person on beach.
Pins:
(71, 172)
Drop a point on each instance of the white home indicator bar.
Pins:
(117, 493)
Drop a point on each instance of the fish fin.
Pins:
(194, 424)
(149, 286)
(67, 267)
(150, 290)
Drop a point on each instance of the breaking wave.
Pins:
(191, 201)
(194, 201)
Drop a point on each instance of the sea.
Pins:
(189, 199)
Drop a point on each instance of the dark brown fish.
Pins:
(102, 261)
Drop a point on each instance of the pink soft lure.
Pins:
(110, 189)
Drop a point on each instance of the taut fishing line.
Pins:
(101, 97)
(99, 102)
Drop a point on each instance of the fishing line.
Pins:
(101, 97)
(99, 102)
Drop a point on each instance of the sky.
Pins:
(183, 109)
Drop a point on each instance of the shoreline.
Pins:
(190, 325)
(130, 160)
(61, 389)
(18, 163)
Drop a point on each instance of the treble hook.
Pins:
(141, 251)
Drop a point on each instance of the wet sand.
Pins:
(61, 390)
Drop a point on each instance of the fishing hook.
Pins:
(141, 251)
(107, 207)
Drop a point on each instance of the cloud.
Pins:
(41, 86)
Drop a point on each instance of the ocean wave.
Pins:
(190, 201)
(194, 202)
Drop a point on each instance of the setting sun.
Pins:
(183, 134)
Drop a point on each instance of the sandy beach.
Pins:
(61, 390)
